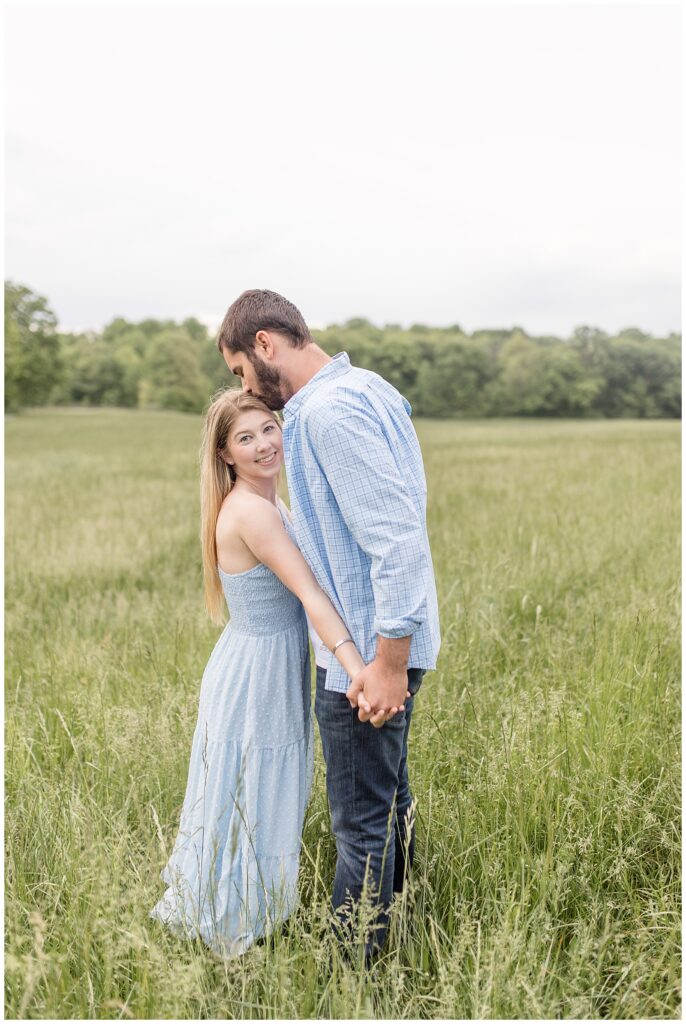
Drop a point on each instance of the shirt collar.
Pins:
(339, 365)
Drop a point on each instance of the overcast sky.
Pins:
(486, 166)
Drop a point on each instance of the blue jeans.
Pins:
(369, 796)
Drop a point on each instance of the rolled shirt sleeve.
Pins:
(367, 483)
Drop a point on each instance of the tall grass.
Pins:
(545, 749)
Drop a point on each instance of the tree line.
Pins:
(162, 364)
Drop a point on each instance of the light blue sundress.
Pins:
(232, 876)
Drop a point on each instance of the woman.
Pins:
(232, 876)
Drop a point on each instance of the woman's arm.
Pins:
(262, 530)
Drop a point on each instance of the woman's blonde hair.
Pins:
(216, 480)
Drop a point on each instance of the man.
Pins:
(358, 496)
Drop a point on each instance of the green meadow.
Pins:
(545, 749)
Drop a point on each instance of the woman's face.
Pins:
(254, 446)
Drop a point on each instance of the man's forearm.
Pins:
(393, 653)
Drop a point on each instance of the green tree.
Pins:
(32, 356)
(92, 375)
(172, 377)
(211, 360)
(456, 381)
(641, 378)
(543, 379)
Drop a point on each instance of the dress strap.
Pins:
(284, 511)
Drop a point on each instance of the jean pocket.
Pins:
(414, 679)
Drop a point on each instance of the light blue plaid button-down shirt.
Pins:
(358, 496)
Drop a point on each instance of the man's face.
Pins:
(259, 378)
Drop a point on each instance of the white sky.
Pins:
(480, 165)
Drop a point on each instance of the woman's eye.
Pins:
(246, 437)
(270, 428)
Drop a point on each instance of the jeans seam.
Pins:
(351, 720)
(351, 747)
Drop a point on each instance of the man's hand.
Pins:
(379, 689)
(355, 695)
(378, 692)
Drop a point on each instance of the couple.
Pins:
(354, 559)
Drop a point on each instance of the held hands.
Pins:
(378, 693)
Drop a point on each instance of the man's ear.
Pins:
(264, 344)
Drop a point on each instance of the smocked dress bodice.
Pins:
(258, 602)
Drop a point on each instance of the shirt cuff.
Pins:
(394, 629)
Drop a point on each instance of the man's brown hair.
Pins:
(261, 310)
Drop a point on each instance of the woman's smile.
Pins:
(267, 460)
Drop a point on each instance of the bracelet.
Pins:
(348, 640)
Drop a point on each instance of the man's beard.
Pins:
(272, 388)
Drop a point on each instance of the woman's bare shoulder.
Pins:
(240, 516)
(243, 506)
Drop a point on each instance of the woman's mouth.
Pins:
(268, 460)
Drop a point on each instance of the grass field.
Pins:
(545, 752)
